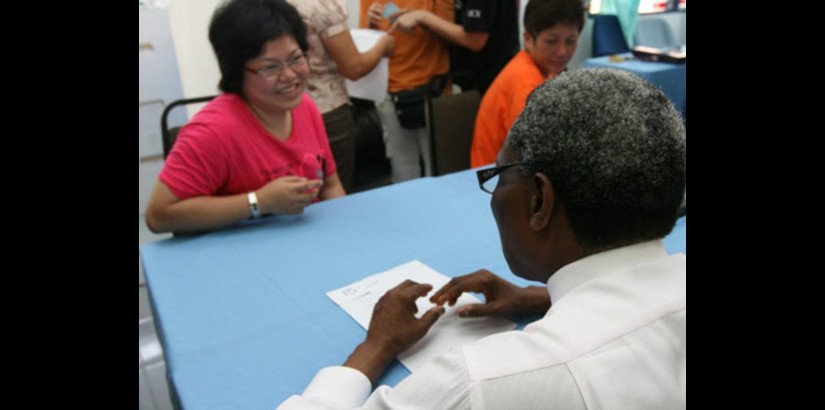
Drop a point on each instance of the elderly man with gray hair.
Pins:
(586, 185)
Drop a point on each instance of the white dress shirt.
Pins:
(614, 338)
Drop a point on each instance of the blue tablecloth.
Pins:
(242, 313)
(671, 78)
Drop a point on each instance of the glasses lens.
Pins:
(297, 61)
(276, 69)
(272, 70)
(490, 184)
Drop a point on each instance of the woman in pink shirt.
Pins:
(261, 146)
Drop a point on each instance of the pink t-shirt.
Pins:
(224, 150)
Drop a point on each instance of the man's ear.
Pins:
(541, 206)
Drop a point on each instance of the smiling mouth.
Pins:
(290, 89)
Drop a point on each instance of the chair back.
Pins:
(654, 32)
(450, 121)
(169, 135)
(608, 37)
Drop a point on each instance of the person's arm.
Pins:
(393, 329)
(441, 383)
(447, 30)
(333, 188)
(352, 64)
(502, 298)
(167, 213)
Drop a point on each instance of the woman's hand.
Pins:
(288, 195)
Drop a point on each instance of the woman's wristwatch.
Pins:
(253, 204)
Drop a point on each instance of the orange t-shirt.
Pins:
(419, 55)
(501, 105)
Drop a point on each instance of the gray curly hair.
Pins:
(614, 148)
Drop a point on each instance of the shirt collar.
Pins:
(602, 264)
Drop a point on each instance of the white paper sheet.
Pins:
(450, 331)
(372, 86)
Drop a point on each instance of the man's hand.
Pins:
(393, 328)
(503, 299)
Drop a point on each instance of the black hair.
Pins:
(540, 15)
(239, 30)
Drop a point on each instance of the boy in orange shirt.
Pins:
(551, 35)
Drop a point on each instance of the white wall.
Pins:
(353, 8)
(158, 80)
(158, 85)
(196, 61)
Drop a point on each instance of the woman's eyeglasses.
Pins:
(274, 70)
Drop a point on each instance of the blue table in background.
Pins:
(671, 78)
(242, 313)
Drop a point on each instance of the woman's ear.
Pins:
(542, 202)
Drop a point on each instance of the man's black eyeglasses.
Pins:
(488, 177)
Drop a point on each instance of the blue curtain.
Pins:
(627, 13)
